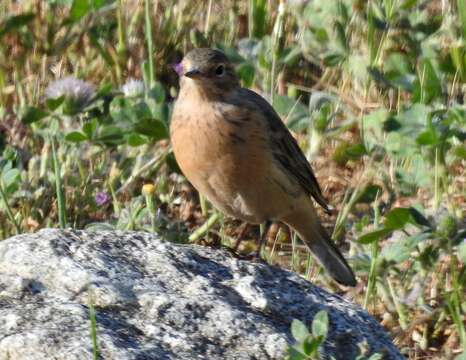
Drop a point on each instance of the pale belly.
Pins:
(236, 176)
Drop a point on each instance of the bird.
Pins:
(236, 151)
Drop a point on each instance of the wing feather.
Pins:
(285, 148)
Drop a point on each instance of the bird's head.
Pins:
(207, 69)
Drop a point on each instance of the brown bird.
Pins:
(236, 151)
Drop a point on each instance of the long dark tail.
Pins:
(330, 257)
(308, 227)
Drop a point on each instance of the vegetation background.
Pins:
(374, 92)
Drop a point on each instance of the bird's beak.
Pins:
(193, 73)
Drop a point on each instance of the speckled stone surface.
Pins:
(158, 300)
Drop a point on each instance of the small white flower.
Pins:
(78, 91)
(133, 87)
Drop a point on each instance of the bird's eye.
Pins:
(220, 70)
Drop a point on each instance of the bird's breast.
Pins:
(226, 151)
(220, 153)
(203, 142)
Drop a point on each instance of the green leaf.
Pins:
(320, 324)
(296, 353)
(14, 22)
(110, 135)
(140, 112)
(399, 146)
(53, 104)
(457, 54)
(460, 152)
(311, 346)
(333, 58)
(354, 152)
(157, 93)
(369, 194)
(342, 42)
(323, 117)
(2, 141)
(373, 128)
(259, 13)
(428, 85)
(89, 128)
(294, 111)
(79, 8)
(378, 76)
(293, 56)
(416, 176)
(397, 63)
(375, 235)
(462, 251)
(76, 136)
(161, 112)
(408, 4)
(152, 128)
(10, 177)
(414, 119)
(418, 217)
(397, 218)
(299, 330)
(428, 137)
(97, 4)
(246, 73)
(401, 250)
(136, 140)
(104, 90)
(461, 4)
(33, 114)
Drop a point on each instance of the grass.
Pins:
(373, 91)
(93, 329)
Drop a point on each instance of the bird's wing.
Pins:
(286, 150)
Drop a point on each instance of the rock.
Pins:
(159, 300)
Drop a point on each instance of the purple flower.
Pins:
(101, 198)
(78, 91)
(178, 68)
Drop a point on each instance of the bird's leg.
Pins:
(256, 255)
(242, 233)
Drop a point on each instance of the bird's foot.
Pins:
(253, 257)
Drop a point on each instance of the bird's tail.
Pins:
(331, 258)
(320, 244)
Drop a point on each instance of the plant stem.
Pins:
(374, 256)
(294, 252)
(202, 230)
(372, 274)
(9, 212)
(149, 41)
(58, 186)
(92, 317)
(115, 202)
(121, 45)
(398, 306)
(203, 203)
(154, 164)
(345, 210)
(207, 21)
(455, 309)
(153, 214)
(276, 40)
